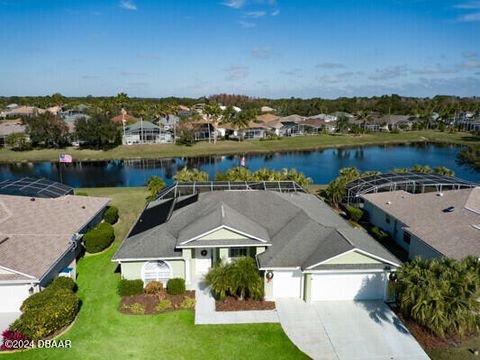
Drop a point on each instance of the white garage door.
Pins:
(348, 286)
(287, 284)
(12, 296)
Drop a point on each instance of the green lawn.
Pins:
(101, 332)
(462, 352)
(234, 147)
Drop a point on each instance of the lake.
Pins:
(321, 165)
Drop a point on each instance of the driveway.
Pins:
(347, 330)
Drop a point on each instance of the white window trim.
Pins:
(155, 261)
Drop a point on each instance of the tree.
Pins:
(47, 130)
(213, 112)
(441, 295)
(97, 131)
(154, 185)
(343, 124)
(442, 170)
(193, 175)
(243, 119)
(18, 141)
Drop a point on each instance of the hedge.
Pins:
(130, 287)
(45, 312)
(63, 282)
(354, 213)
(111, 215)
(176, 286)
(99, 238)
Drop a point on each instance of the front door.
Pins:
(203, 261)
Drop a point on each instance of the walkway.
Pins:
(347, 330)
(205, 311)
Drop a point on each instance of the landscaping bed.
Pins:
(233, 304)
(156, 303)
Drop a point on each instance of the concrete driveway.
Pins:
(347, 330)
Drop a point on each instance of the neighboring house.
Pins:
(302, 247)
(9, 127)
(144, 132)
(22, 111)
(429, 225)
(266, 118)
(316, 125)
(40, 239)
(167, 122)
(266, 109)
(292, 118)
(119, 119)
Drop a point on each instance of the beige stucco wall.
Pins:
(353, 258)
(133, 270)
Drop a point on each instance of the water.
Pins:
(321, 165)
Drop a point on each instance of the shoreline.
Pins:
(224, 148)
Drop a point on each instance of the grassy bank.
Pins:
(102, 332)
(234, 147)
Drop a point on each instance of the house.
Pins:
(265, 118)
(144, 132)
(119, 119)
(40, 238)
(292, 118)
(8, 127)
(22, 111)
(168, 121)
(266, 109)
(302, 247)
(316, 125)
(429, 225)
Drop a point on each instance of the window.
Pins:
(237, 252)
(156, 271)
(407, 237)
(387, 219)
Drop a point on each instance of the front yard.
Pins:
(102, 332)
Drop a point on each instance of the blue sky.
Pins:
(269, 48)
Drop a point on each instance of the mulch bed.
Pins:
(149, 302)
(232, 304)
(426, 339)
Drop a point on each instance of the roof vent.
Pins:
(449, 209)
(389, 203)
(440, 194)
(32, 199)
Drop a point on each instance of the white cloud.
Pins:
(261, 53)
(473, 17)
(128, 5)
(471, 64)
(247, 24)
(390, 72)
(234, 4)
(468, 5)
(469, 54)
(255, 14)
(275, 12)
(434, 69)
(237, 72)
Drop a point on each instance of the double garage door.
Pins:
(12, 296)
(348, 286)
(331, 286)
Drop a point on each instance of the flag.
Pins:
(65, 158)
(242, 161)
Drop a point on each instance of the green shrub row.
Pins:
(48, 311)
(111, 215)
(176, 286)
(99, 238)
(130, 287)
(354, 213)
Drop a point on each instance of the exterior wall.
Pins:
(353, 258)
(223, 234)
(68, 260)
(133, 270)
(419, 248)
(377, 217)
(12, 296)
(260, 249)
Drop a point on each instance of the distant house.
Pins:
(144, 132)
(9, 127)
(124, 117)
(292, 118)
(429, 225)
(266, 109)
(40, 239)
(316, 125)
(22, 111)
(265, 118)
(167, 122)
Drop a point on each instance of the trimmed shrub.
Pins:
(176, 286)
(99, 238)
(354, 213)
(187, 303)
(135, 308)
(379, 234)
(163, 305)
(111, 215)
(49, 311)
(63, 282)
(130, 287)
(153, 287)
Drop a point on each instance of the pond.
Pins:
(321, 165)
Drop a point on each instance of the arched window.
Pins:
(156, 271)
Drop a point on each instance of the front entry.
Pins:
(203, 260)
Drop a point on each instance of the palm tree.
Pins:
(442, 170)
(343, 124)
(213, 112)
(193, 175)
(242, 120)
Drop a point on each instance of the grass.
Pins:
(462, 352)
(102, 332)
(233, 147)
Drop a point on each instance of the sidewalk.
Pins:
(205, 311)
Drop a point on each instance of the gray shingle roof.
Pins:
(301, 229)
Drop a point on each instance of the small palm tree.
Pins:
(194, 175)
